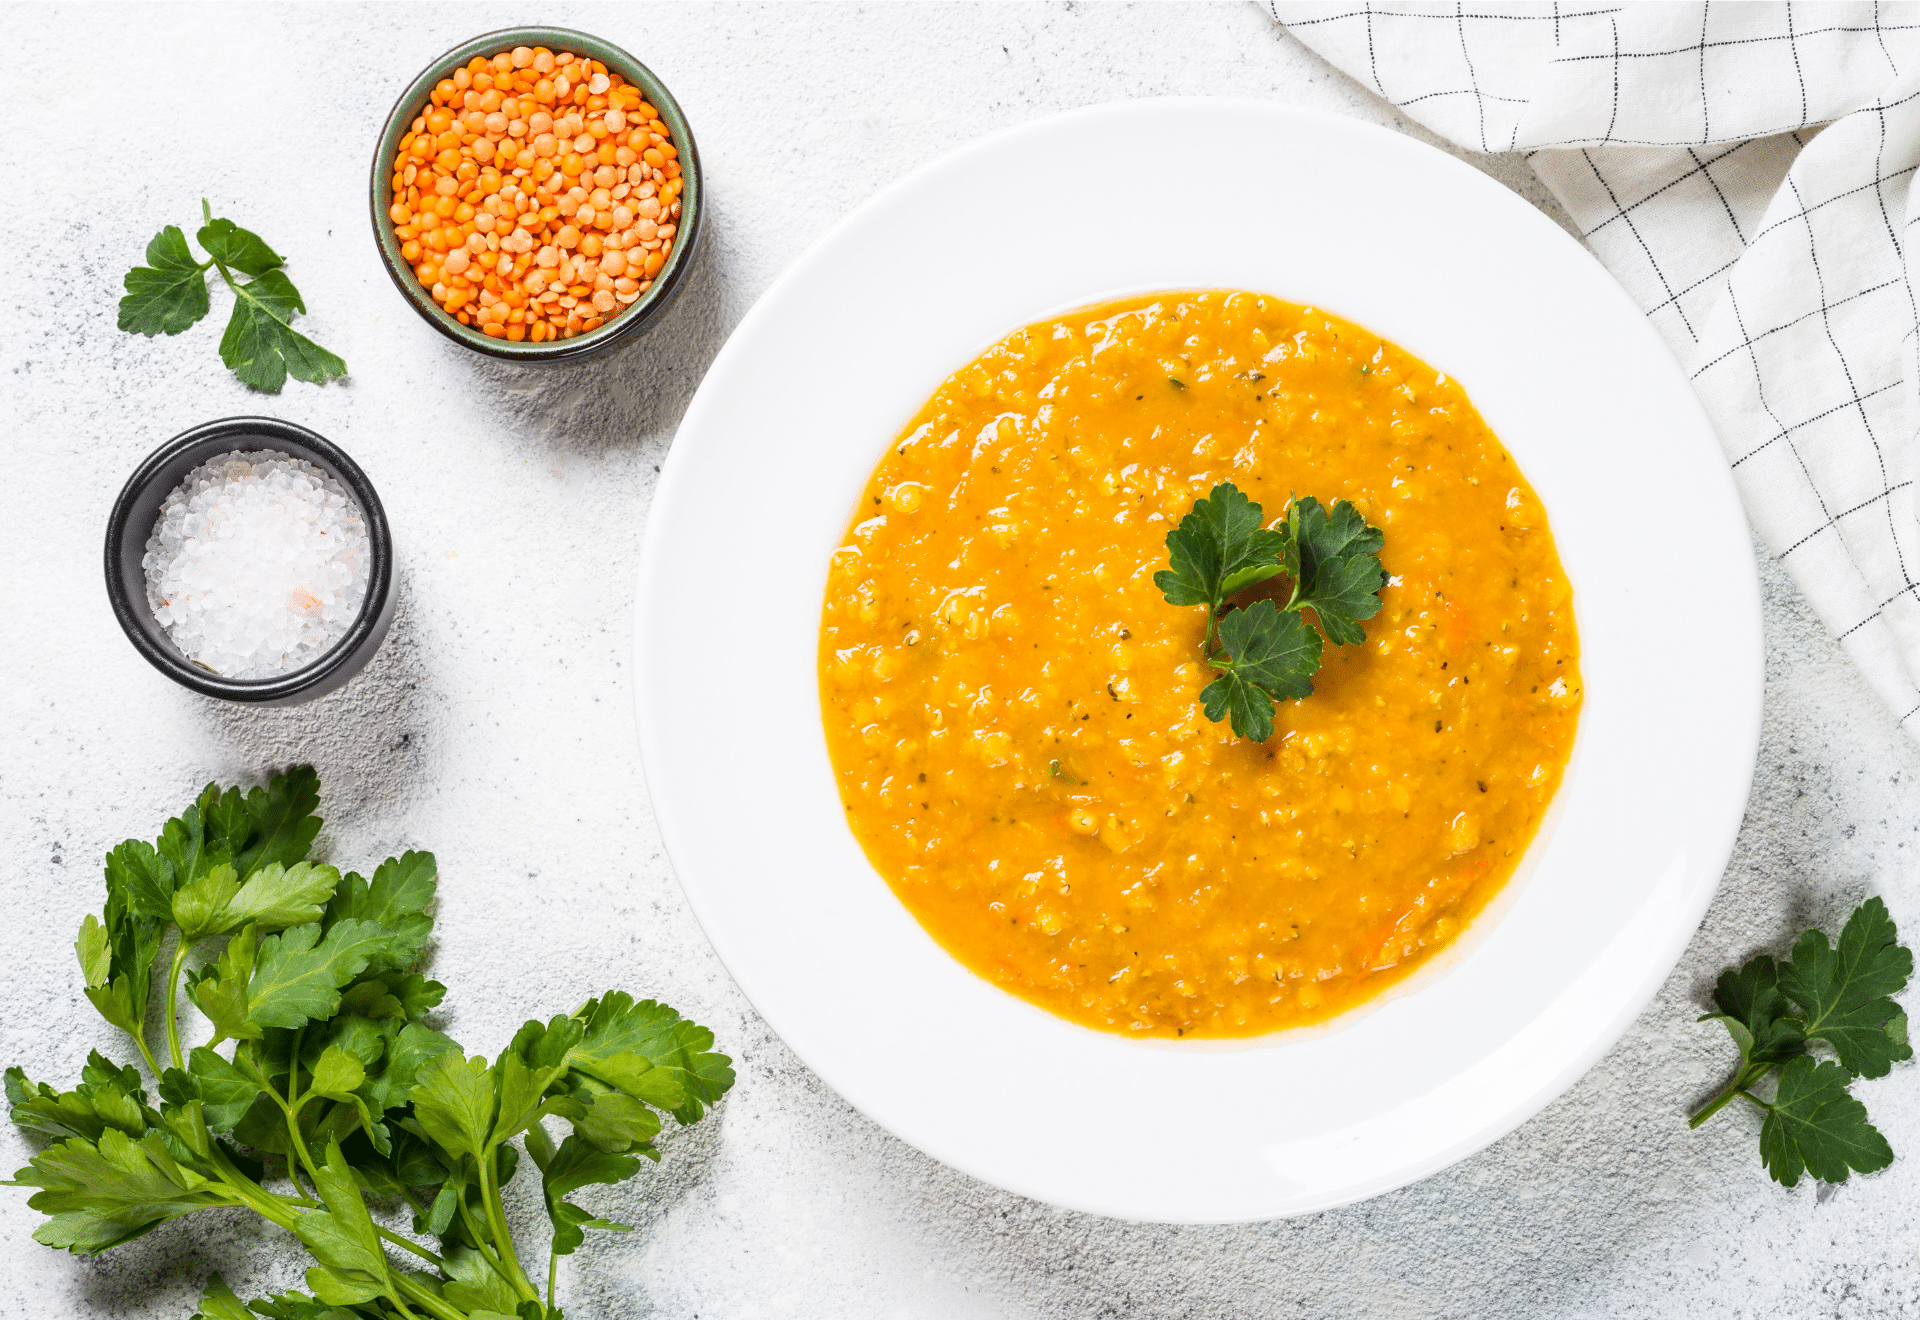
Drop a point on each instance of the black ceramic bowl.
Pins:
(686, 238)
(138, 507)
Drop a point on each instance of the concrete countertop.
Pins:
(495, 726)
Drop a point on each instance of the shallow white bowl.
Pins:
(1316, 209)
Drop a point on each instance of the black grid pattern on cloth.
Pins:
(1474, 72)
(1467, 73)
(1814, 335)
(1747, 173)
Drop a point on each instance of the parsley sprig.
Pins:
(1266, 652)
(261, 346)
(1840, 996)
(334, 1084)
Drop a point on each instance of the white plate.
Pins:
(1197, 193)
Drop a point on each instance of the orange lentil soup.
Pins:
(1013, 710)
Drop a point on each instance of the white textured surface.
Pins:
(494, 727)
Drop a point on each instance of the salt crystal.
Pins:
(257, 565)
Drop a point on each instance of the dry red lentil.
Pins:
(537, 194)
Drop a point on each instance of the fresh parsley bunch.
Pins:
(1267, 653)
(1842, 997)
(332, 1080)
(169, 294)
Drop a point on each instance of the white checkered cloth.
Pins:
(1686, 142)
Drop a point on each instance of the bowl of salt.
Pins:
(250, 560)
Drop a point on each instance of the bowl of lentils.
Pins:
(536, 194)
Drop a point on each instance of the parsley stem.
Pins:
(299, 1146)
(173, 1004)
(220, 266)
(307, 1194)
(293, 1067)
(152, 1065)
(257, 1198)
(291, 1107)
(244, 291)
(1742, 1080)
(393, 1295)
(407, 1244)
(424, 1298)
(553, 1270)
(479, 1235)
(497, 1223)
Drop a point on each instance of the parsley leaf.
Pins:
(1266, 652)
(219, 1303)
(339, 1075)
(1844, 991)
(1219, 549)
(1331, 557)
(168, 294)
(187, 849)
(299, 973)
(1755, 1014)
(245, 251)
(285, 980)
(273, 898)
(653, 1054)
(453, 1102)
(575, 1165)
(289, 1306)
(278, 821)
(1268, 657)
(267, 825)
(614, 1121)
(396, 899)
(1841, 997)
(412, 1048)
(477, 1288)
(139, 899)
(224, 1092)
(99, 1194)
(143, 879)
(107, 1097)
(1814, 1125)
(260, 344)
(220, 989)
(535, 1060)
(95, 951)
(353, 1265)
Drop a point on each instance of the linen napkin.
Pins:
(1746, 171)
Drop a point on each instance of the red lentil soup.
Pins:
(1012, 708)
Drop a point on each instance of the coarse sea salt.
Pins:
(257, 564)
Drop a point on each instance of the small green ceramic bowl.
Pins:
(686, 239)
